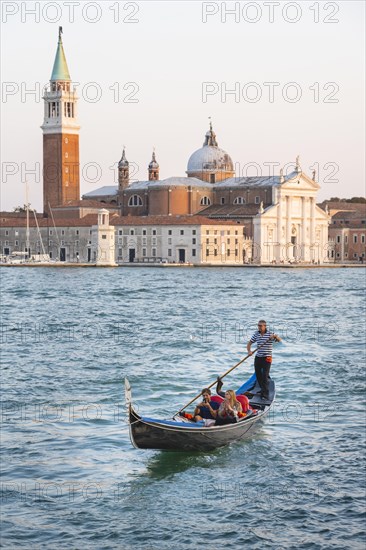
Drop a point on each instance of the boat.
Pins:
(182, 434)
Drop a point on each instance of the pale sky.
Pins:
(163, 60)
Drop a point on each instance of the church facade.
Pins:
(208, 216)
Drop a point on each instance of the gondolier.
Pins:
(263, 360)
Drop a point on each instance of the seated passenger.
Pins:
(242, 398)
(228, 410)
(207, 409)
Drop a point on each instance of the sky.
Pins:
(278, 79)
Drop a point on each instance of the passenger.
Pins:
(228, 410)
(207, 409)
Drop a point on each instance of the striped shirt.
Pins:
(266, 350)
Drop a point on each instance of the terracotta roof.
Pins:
(85, 204)
(116, 220)
(86, 221)
(166, 220)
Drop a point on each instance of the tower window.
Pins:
(135, 200)
(239, 200)
(222, 200)
(205, 201)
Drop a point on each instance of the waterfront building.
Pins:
(209, 216)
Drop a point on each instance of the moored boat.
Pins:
(181, 434)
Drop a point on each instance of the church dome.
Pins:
(210, 159)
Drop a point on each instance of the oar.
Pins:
(226, 373)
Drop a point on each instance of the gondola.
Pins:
(181, 434)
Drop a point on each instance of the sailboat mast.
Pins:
(27, 209)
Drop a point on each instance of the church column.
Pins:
(288, 225)
(279, 228)
(303, 228)
(312, 228)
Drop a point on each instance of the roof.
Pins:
(231, 211)
(255, 181)
(167, 220)
(116, 220)
(60, 69)
(102, 191)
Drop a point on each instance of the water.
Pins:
(71, 477)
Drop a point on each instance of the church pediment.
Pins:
(300, 181)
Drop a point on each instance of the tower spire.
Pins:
(153, 168)
(210, 137)
(60, 69)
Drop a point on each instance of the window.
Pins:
(228, 232)
(222, 200)
(355, 255)
(215, 252)
(135, 200)
(193, 251)
(169, 240)
(207, 252)
(62, 232)
(215, 241)
(193, 241)
(257, 200)
(144, 231)
(50, 232)
(16, 243)
(228, 241)
(338, 254)
(104, 236)
(169, 232)
(182, 231)
(346, 239)
(6, 233)
(77, 232)
(236, 252)
(228, 251)
(144, 241)
(212, 178)
(194, 232)
(236, 231)
(236, 241)
(154, 231)
(153, 252)
(239, 200)
(153, 241)
(207, 241)
(363, 239)
(338, 238)
(132, 231)
(205, 201)
(346, 255)
(207, 232)
(144, 251)
(215, 232)
(355, 239)
(120, 232)
(169, 251)
(77, 243)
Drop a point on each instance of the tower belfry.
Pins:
(61, 183)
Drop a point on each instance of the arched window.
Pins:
(135, 200)
(205, 201)
(239, 200)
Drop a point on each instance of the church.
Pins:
(207, 217)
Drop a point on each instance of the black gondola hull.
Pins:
(148, 433)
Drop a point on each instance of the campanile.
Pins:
(61, 183)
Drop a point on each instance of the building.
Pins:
(208, 216)
(347, 231)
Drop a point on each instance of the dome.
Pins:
(123, 162)
(153, 165)
(210, 159)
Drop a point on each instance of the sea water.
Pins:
(72, 479)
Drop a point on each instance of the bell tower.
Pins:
(61, 183)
